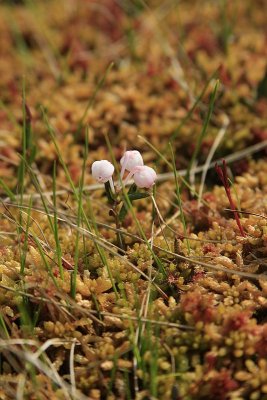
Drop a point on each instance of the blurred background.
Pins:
(129, 68)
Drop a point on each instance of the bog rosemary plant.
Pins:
(132, 165)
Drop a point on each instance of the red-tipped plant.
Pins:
(222, 173)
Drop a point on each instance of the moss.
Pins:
(134, 329)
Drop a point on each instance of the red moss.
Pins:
(215, 385)
(110, 26)
(205, 146)
(224, 75)
(261, 107)
(259, 135)
(210, 360)
(75, 172)
(210, 248)
(236, 321)
(172, 84)
(209, 197)
(56, 273)
(199, 306)
(261, 345)
(240, 167)
(198, 275)
(199, 216)
(221, 385)
(152, 69)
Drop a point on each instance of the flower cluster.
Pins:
(132, 162)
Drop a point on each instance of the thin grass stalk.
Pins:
(179, 199)
(204, 130)
(76, 195)
(189, 114)
(55, 225)
(79, 217)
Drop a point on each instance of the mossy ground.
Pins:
(180, 312)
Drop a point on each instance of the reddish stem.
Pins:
(222, 173)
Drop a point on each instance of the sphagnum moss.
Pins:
(132, 330)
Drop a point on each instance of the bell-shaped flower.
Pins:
(130, 160)
(144, 177)
(102, 171)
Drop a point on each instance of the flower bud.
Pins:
(144, 177)
(130, 160)
(102, 170)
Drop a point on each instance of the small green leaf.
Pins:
(132, 195)
(138, 195)
(124, 209)
(132, 189)
(7, 190)
(122, 213)
(109, 193)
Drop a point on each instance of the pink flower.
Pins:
(102, 171)
(144, 177)
(130, 160)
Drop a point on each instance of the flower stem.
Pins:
(222, 173)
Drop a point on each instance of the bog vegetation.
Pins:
(133, 213)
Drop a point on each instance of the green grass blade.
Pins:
(100, 251)
(55, 225)
(189, 114)
(8, 191)
(79, 217)
(179, 199)
(92, 99)
(204, 129)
